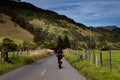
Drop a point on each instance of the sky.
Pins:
(88, 12)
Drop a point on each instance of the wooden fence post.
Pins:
(27, 51)
(21, 51)
(101, 62)
(3, 54)
(96, 61)
(89, 54)
(110, 60)
(94, 56)
(84, 54)
(17, 53)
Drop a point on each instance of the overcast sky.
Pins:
(89, 12)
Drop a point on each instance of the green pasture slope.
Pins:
(89, 69)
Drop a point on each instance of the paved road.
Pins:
(45, 69)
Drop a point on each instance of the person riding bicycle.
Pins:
(59, 54)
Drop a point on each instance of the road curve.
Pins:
(45, 69)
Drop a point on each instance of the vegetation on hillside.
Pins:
(47, 26)
(10, 29)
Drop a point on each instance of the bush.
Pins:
(28, 60)
(106, 48)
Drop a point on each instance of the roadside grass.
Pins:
(91, 72)
(16, 62)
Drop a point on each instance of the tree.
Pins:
(39, 35)
(7, 45)
(63, 43)
(102, 42)
(66, 42)
(60, 42)
(91, 44)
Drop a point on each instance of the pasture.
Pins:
(93, 72)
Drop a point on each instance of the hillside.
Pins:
(46, 26)
(116, 30)
(111, 28)
(10, 29)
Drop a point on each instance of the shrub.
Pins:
(106, 48)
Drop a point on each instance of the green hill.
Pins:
(10, 29)
(46, 26)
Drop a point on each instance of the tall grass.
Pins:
(91, 72)
(19, 61)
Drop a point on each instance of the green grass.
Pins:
(17, 41)
(91, 72)
(20, 61)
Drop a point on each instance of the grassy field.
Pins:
(19, 61)
(90, 71)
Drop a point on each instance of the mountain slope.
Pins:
(117, 30)
(46, 26)
(10, 29)
(111, 28)
(25, 13)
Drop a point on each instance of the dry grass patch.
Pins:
(11, 29)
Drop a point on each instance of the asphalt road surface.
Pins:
(46, 69)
